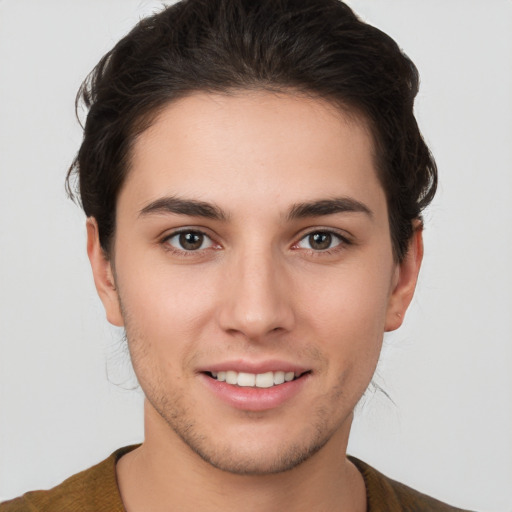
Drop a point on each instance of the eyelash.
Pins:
(184, 252)
(343, 242)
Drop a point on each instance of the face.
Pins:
(253, 271)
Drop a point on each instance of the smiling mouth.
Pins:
(255, 380)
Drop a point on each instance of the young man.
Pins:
(253, 179)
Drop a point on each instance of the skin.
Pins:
(256, 289)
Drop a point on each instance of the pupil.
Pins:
(191, 241)
(320, 241)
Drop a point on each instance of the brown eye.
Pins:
(189, 241)
(321, 241)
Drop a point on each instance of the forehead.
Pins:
(248, 147)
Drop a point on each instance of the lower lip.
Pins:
(252, 398)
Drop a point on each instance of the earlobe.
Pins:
(405, 281)
(103, 274)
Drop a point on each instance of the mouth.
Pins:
(256, 387)
(256, 380)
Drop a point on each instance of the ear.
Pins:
(103, 274)
(405, 280)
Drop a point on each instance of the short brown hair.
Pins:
(318, 47)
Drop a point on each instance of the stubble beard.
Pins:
(235, 461)
(178, 415)
(172, 407)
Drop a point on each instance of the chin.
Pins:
(251, 443)
(257, 460)
(258, 449)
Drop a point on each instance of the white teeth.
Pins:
(265, 380)
(231, 377)
(288, 376)
(246, 379)
(260, 380)
(278, 377)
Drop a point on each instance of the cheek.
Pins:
(354, 300)
(166, 306)
(347, 312)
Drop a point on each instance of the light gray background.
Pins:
(64, 378)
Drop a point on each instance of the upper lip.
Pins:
(241, 365)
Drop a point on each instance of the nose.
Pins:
(257, 296)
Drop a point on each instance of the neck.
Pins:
(165, 474)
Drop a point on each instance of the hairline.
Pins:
(349, 112)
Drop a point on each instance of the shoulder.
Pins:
(92, 490)
(387, 495)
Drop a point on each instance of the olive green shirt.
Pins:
(96, 490)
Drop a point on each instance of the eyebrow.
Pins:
(195, 208)
(179, 206)
(328, 207)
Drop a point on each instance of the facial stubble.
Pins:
(175, 409)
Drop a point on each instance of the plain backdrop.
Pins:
(66, 388)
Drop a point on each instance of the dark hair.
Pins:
(317, 47)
